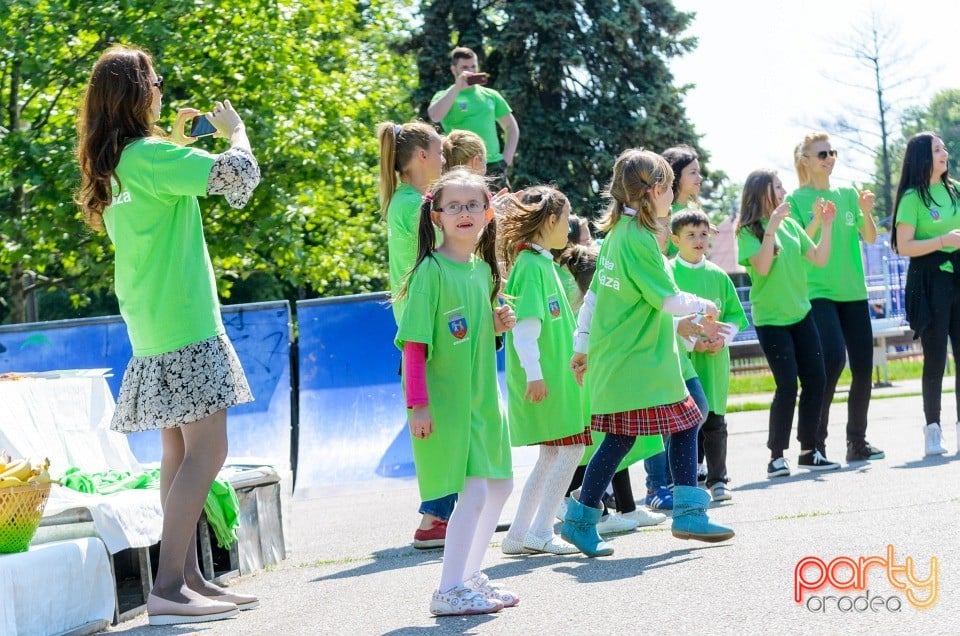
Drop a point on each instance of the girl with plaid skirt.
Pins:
(635, 383)
(545, 405)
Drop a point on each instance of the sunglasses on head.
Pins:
(159, 82)
(823, 154)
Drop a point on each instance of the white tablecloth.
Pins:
(55, 588)
(68, 420)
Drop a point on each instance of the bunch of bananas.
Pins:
(21, 472)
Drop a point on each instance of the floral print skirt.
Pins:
(179, 387)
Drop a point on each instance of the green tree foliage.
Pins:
(941, 116)
(310, 78)
(586, 80)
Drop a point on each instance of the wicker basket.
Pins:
(21, 508)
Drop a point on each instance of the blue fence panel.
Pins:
(352, 422)
(352, 413)
(260, 333)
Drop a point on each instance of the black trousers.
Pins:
(793, 351)
(713, 443)
(846, 334)
(945, 321)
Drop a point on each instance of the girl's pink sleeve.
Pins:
(415, 373)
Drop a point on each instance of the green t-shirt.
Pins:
(633, 361)
(569, 282)
(842, 278)
(687, 371)
(450, 312)
(779, 298)
(930, 221)
(712, 283)
(477, 109)
(403, 220)
(163, 275)
(534, 291)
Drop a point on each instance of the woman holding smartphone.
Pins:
(142, 188)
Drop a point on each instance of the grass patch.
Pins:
(906, 369)
(801, 515)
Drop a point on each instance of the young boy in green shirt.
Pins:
(710, 356)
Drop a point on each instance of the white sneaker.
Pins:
(933, 440)
(614, 524)
(462, 600)
(645, 517)
(551, 545)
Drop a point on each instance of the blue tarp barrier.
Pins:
(260, 333)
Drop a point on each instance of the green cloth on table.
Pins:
(222, 506)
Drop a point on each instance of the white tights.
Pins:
(544, 490)
(471, 527)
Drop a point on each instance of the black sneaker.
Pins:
(816, 461)
(863, 452)
(778, 468)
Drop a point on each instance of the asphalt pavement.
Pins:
(353, 570)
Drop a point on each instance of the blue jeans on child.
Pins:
(656, 466)
(440, 508)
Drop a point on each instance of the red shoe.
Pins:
(432, 538)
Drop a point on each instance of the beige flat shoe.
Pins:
(242, 601)
(161, 611)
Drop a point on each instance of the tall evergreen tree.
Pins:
(587, 80)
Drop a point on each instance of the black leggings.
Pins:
(845, 333)
(793, 351)
(622, 489)
(944, 321)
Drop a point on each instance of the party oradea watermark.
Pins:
(865, 584)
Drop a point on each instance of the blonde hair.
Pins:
(398, 142)
(634, 173)
(461, 146)
(803, 174)
(527, 213)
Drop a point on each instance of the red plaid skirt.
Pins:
(580, 438)
(655, 420)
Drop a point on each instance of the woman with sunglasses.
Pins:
(926, 221)
(142, 187)
(838, 291)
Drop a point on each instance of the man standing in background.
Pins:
(468, 105)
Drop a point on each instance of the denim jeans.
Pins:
(656, 466)
(440, 508)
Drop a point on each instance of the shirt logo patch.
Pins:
(554, 306)
(935, 214)
(458, 326)
(849, 218)
(462, 105)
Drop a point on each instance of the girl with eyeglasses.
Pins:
(142, 188)
(838, 291)
(460, 439)
(927, 229)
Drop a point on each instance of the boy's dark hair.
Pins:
(461, 53)
(690, 216)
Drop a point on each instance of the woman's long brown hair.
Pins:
(116, 110)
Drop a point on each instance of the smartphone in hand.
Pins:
(477, 78)
(201, 127)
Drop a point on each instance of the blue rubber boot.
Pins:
(580, 528)
(690, 516)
